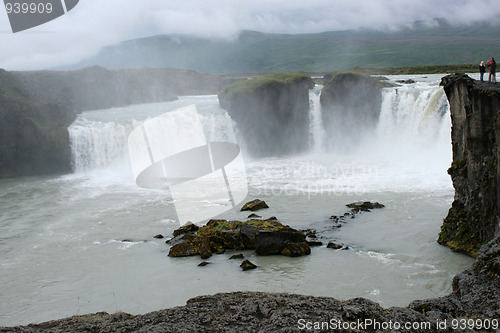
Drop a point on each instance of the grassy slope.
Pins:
(256, 52)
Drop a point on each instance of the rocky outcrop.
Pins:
(33, 130)
(475, 112)
(254, 205)
(266, 237)
(37, 107)
(350, 104)
(272, 112)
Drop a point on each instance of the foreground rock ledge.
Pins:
(476, 295)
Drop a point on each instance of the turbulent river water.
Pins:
(83, 242)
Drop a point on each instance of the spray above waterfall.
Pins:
(409, 140)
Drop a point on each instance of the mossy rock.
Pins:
(247, 265)
(265, 236)
(457, 233)
(254, 205)
(364, 206)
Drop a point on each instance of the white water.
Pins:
(62, 238)
(316, 130)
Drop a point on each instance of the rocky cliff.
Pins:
(272, 112)
(474, 216)
(37, 107)
(350, 104)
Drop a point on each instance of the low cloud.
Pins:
(94, 24)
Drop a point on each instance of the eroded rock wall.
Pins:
(272, 112)
(475, 112)
(37, 107)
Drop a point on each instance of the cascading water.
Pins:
(99, 142)
(316, 130)
(96, 144)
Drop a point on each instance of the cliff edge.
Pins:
(473, 219)
(36, 108)
(272, 112)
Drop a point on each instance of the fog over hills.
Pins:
(254, 51)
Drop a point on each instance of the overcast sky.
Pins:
(93, 24)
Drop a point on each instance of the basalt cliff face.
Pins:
(272, 112)
(37, 107)
(350, 104)
(473, 218)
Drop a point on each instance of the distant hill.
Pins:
(254, 52)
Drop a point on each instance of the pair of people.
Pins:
(492, 67)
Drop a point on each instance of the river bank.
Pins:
(472, 306)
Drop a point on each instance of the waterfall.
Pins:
(414, 117)
(99, 141)
(316, 130)
(414, 125)
(96, 144)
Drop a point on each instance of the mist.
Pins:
(94, 24)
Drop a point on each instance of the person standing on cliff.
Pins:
(482, 70)
(492, 66)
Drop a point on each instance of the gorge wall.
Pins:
(350, 104)
(272, 112)
(473, 218)
(37, 107)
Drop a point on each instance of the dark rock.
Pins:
(218, 235)
(184, 249)
(353, 100)
(237, 256)
(203, 263)
(254, 205)
(296, 249)
(288, 241)
(332, 245)
(159, 236)
(409, 81)
(267, 109)
(272, 218)
(314, 242)
(246, 265)
(238, 312)
(187, 228)
(37, 107)
(356, 207)
(253, 215)
(475, 114)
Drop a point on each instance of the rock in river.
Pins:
(265, 237)
(254, 205)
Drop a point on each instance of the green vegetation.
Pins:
(255, 52)
(458, 234)
(435, 69)
(267, 82)
(260, 82)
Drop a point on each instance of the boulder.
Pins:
(254, 205)
(247, 264)
(288, 242)
(265, 237)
